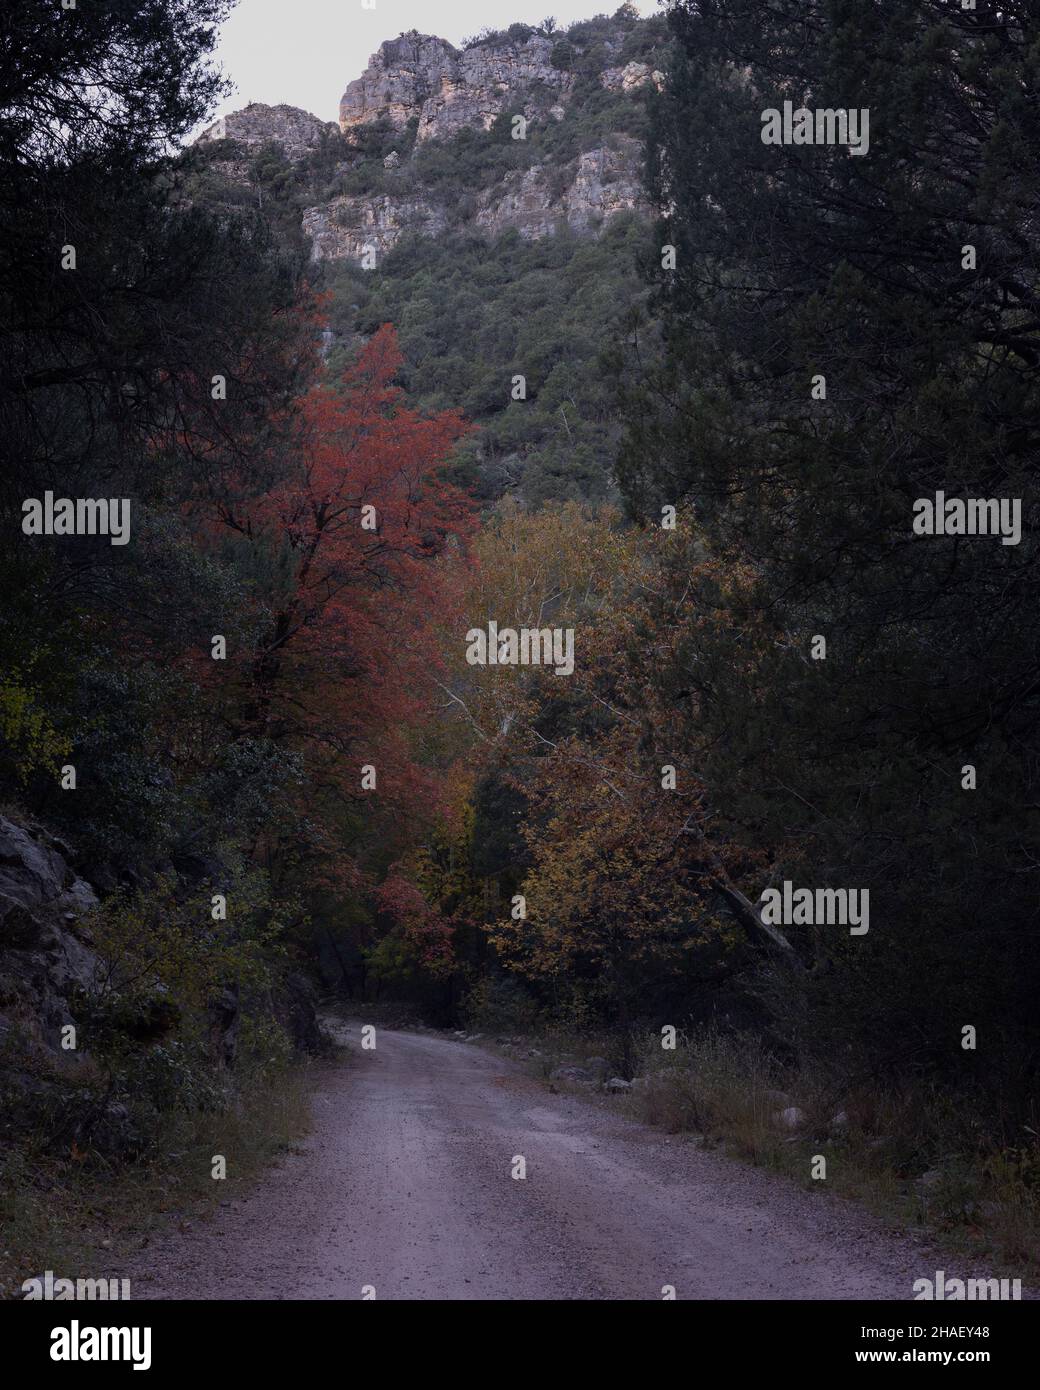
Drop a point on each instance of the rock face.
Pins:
(350, 225)
(44, 956)
(604, 183)
(298, 132)
(421, 76)
(295, 1009)
(631, 77)
(48, 965)
(420, 81)
(601, 183)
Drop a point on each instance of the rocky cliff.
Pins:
(418, 91)
(445, 90)
(298, 132)
(420, 76)
(599, 184)
(45, 956)
(51, 978)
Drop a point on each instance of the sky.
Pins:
(304, 52)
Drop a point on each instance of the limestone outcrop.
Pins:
(421, 76)
(422, 85)
(256, 125)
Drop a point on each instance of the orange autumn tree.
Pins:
(633, 883)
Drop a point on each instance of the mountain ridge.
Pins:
(554, 119)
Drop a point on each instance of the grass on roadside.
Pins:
(915, 1156)
(80, 1217)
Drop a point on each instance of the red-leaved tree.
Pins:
(355, 552)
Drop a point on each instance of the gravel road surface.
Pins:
(406, 1185)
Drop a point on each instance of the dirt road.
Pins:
(406, 1186)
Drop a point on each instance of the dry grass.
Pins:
(79, 1216)
(915, 1157)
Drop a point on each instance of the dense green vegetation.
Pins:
(906, 761)
(472, 313)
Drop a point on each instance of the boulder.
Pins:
(631, 77)
(45, 958)
(570, 1074)
(30, 872)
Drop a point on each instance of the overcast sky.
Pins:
(304, 52)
